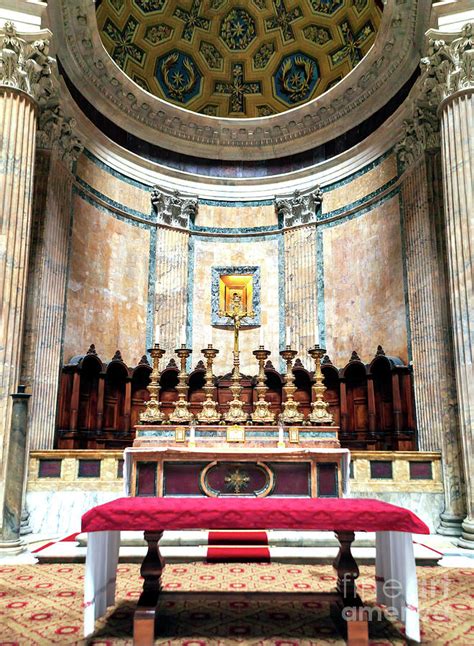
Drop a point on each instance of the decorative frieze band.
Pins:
(24, 63)
(299, 207)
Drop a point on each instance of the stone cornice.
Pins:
(382, 72)
(25, 63)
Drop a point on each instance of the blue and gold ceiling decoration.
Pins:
(238, 58)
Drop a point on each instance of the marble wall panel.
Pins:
(364, 293)
(236, 217)
(107, 286)
(361, 186)
(263, 252)
(104, 182)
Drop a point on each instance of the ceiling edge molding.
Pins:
(236, 189)
(382, 72)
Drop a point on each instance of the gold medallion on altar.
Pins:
(294, 434)
(180, 434)
(235, 434)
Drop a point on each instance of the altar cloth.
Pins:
(395, 561)
(332, 514)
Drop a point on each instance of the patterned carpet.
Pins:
(42, 605)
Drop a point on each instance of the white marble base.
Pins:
(428, 506)
(58, 513)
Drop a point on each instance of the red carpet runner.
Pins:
(232, 547)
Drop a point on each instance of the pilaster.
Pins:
(171, 283)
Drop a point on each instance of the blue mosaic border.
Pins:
(320, 261)
(115, 173)
(150, 217)
(224, 321)
(321, 217)
(358, 173)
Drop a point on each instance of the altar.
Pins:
(238, 448)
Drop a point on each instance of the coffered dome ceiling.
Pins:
(244, 58)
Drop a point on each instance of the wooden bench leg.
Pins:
(145, 613)
(349, 613)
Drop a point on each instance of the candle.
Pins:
(261, 336)
(280, 434)
(183, 335)
(316, 333)
(192, 434)
(212, 330)
(288, 335)
(157, 333)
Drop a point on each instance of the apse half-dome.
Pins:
(249, 58)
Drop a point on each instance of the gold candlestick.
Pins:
(181, 411)
(320, 413)
(290, 413)
(152, 413)
(209, 413)
(262, 413)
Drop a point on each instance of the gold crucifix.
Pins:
(236, 313)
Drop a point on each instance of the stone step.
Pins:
(275, 538)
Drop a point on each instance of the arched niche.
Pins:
(274, 394)
(116, 376)
(355, 424)
(168, 392)
(303, 389)
(332, 393)
(140, 395)
(196, 394)
(380, 371)
(89, 370)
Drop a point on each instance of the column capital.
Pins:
(448, 66)
(25, 63)
(420, 134)
(56, 132)
(299, 207)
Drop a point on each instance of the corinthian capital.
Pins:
(24, 63)
(56, 132)
(420, 134)
(449, 65)
(172, 208)
(299, 208)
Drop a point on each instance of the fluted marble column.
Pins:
(25, 69)
(449, 84)
(433, 369)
